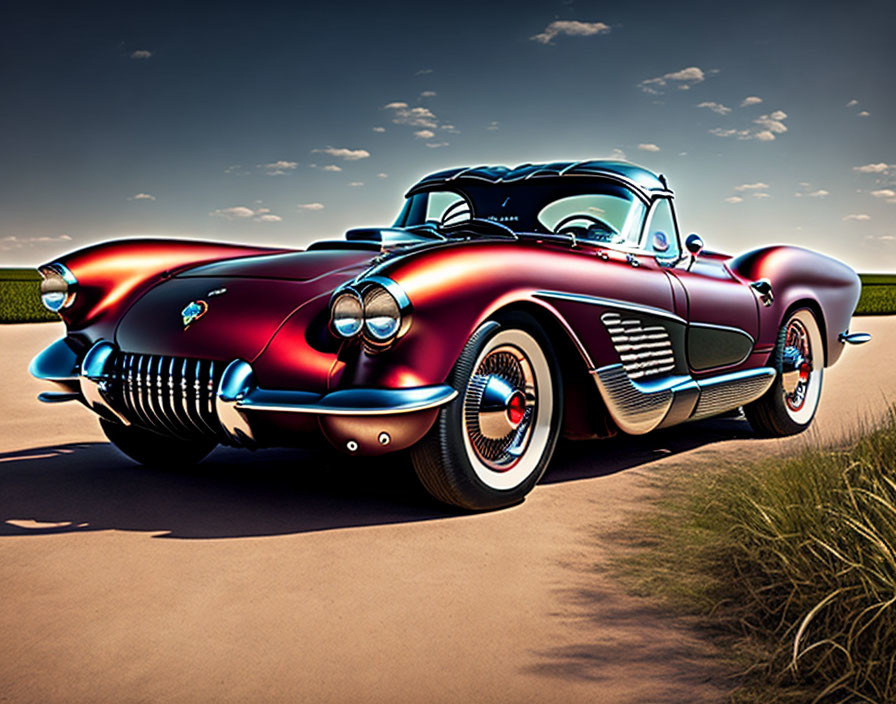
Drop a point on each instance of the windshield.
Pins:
(602, 212)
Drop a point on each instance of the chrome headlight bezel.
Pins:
(58, 287)
(384, 298)
(346, 297)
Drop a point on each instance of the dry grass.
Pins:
(790, 565)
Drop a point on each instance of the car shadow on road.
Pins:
(234, 493)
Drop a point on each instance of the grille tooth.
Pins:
(172, 395)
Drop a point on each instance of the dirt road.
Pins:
(281, 576)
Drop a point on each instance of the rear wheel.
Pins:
(491, 445)
(152, 449)
(789, 406)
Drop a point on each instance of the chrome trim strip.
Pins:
(728, 391)
(350, 402)
(611, 303)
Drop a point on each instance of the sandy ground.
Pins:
(283, 576)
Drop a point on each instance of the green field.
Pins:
(878, 294)
(20, 298)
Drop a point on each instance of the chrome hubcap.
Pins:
(499, 407)
(797, 367)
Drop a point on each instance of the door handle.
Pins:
(763, 288)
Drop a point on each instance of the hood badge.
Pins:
(193, 312)
(216, 292)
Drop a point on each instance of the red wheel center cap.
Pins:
(805, 369)
(516, 408)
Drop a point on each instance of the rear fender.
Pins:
(800, 277)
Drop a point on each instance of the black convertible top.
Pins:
(642, 180)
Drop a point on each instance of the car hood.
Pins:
(240, 304)
(287, 266)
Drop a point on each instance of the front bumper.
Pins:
(357, 421)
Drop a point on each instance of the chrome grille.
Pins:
(173, 395)
(644, 350)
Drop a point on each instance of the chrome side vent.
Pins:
(644, 350)
(173, 395)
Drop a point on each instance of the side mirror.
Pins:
(694, 244)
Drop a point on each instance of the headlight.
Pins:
(347, 315)
(58, 287)
(382, 315)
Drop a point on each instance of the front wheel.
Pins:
(154, 450)
(789, 406)
(491, 445)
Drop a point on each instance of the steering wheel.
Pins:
(609, 229)
(480, 226)
(452, 212)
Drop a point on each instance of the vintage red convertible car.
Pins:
(505, 307)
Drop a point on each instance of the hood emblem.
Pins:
(193, 312)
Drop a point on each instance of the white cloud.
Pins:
(424, 134)
(436, 145)
(570, 28)
(382, 175)
(403, 114)
(715, 107)
(449, 128)
(772, 123)
(13, 242)
(852, 103)
(769, 126)
(343, 153)
(758, 186)
(750, 100)
(864, 113)
(428, 94)
(423, 72)
(236, 211)
(141, 54)
(494, 126)
(857, 216)
(278, 168)
(241, 212)
(280, 165)
(683, 79)
(879, 168)
(884, 193)
(379, 129)
(761, 195)
(820, 193)
(142, 196)
(648, 147)
(311, 206)
(734, 199)
(356, 184)
(331, 167)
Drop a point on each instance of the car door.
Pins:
(722, 313)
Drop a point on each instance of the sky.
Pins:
(284, 123)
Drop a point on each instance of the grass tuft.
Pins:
(790, 565)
